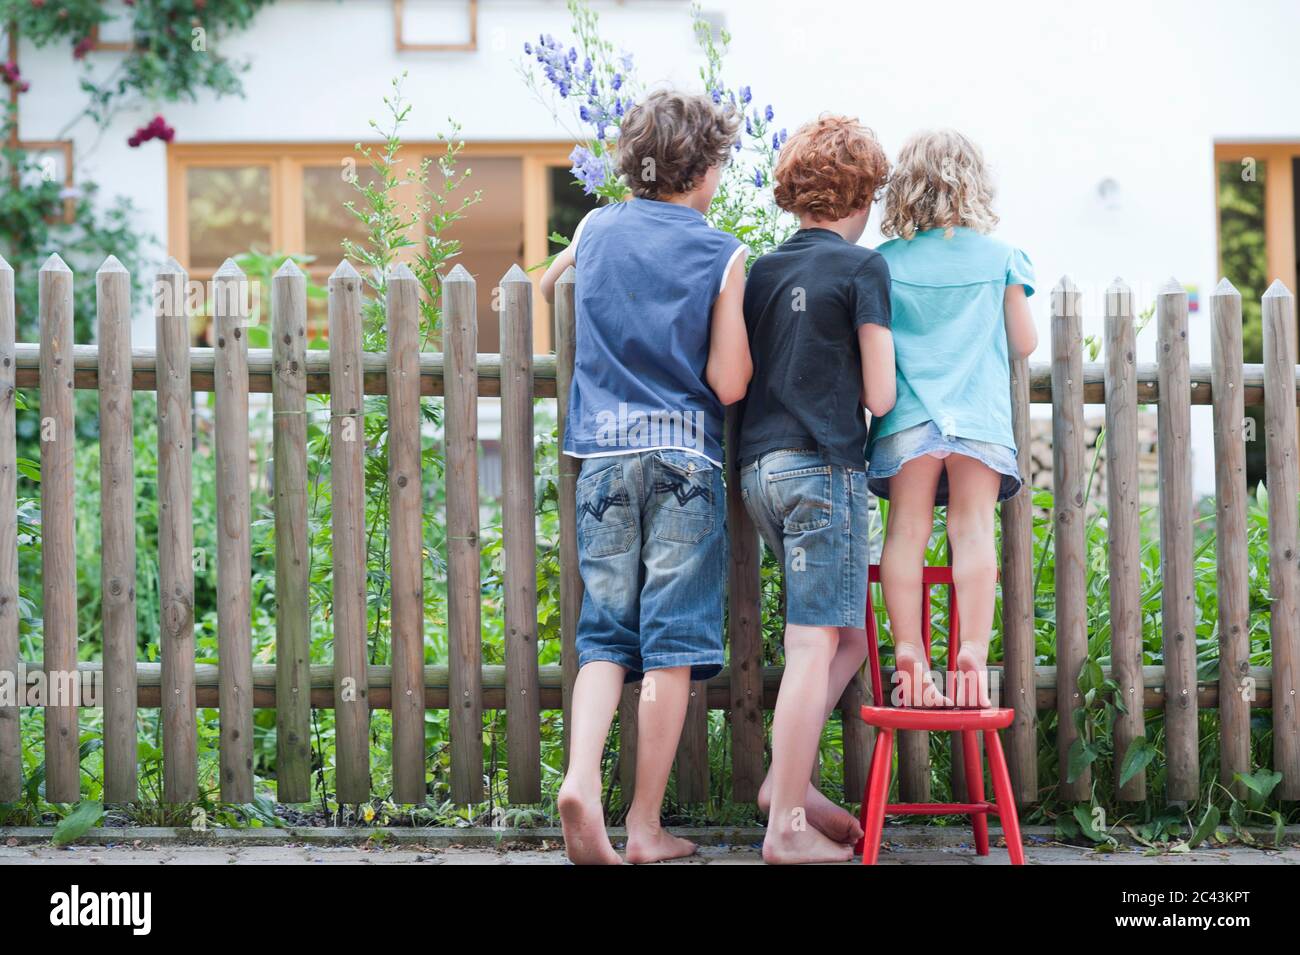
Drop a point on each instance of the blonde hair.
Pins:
(939, 182)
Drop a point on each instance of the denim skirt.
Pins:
(890, 453)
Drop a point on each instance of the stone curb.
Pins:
(442, 837)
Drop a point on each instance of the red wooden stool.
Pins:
(968, 721)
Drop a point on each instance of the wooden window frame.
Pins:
(1279, 202)
(114, 46)
(405, 46)
(287, 160)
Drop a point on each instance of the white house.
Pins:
(1102, 121)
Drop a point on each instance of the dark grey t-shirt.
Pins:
(804, 304)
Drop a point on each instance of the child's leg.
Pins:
(606, 641)
(660, 715)
(836, 822)
(683, 583)
(796, 730)
(911, 520)
(596, 694)
(972, 495)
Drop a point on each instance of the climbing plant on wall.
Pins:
(174, 51)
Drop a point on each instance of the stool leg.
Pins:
(866, 799)
(873, 813)
(1002, 795)
(970, 747)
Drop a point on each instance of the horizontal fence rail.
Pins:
(494, 694)
(289, 371)
(144, 364)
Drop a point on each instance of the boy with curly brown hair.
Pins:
(817, 311)
(660, 348)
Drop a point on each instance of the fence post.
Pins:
(175, 536)
(234, 555)
(629, 711)
(348, 498)
(1177, 607)
(406, 534)
(744, 632)
(292, 560)
(1283, 529)
(11, 761)
(693, 748)
(464, 607)
(1018, 640)
(117, 530)
(58, 543)
(1069, 504)
(519, 516)
(570, 578)
(1235, 693)
(1123, 531)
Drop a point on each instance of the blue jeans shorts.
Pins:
(652, 550)
(815, 518)
(890, 453)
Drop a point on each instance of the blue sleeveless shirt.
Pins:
(648, 273)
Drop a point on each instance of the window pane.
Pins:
(326, 220)
(229, 212)
(568, 205)
(492, 232)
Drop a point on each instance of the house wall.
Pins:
(1061, 97)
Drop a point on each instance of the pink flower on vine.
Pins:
(156, 128)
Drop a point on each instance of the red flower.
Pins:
(156, 128)
(84, 46)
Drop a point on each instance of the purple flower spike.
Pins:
(528, 49)
(758, 179)
(745, 96)
(768, 114)
(776, 140)
(617, 82)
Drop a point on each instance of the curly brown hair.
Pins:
(669, 140)
(830, 168)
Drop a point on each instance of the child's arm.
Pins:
(553, 272)
(879, 385)
(730, 366)
(1022, 336)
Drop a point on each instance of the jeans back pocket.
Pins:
(606, 520)
(804, 496)
(683, 491)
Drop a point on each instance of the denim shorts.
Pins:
(652, 550)
(890, 453)
(815, 518)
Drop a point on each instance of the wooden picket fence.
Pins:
(464, 686)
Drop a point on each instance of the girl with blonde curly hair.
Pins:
(959, 304)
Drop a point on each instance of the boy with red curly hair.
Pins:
(817, 311)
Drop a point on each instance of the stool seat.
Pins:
(937, 719)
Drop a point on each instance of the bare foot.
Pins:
(913, 683)
(647, 842)
(583, 821)
(834, 822)
(785, 845)
(973, 676)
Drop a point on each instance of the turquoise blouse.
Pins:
(950, 336)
